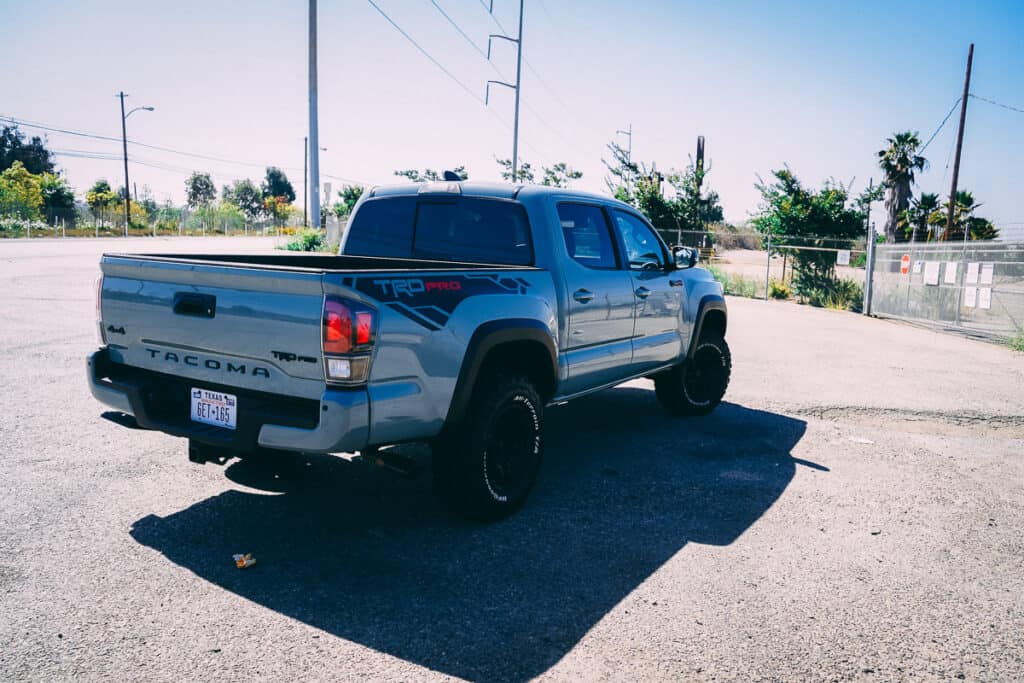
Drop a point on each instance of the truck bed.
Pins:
(319, 262)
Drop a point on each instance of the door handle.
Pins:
(675, 283)
(583, 295)
(196, 305)
(643, 292)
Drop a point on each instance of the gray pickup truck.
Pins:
(453, 314)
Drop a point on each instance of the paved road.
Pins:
(853, 512)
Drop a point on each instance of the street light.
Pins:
(124, 146)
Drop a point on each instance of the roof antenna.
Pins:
(452, 176)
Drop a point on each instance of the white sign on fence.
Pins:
(987, 271)
(931, 273)
(972, 273)
(951, 268)
(985, 297)
(970, 296)
(843, 257)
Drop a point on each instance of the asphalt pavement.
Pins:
(852, 512)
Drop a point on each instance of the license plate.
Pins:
(214, 408)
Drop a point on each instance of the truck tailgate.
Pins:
(251, 327)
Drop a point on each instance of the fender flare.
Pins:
(709, 302)
(487, 337)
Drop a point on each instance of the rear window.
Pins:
(382, 227)
(444, 229)
(470, 229)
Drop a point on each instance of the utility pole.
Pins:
(629, 148)
(314, 137)
(519, 70)
(305, 173)
(124, 147)
(959, 145)
(869, 266)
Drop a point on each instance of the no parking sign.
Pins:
(905, 264)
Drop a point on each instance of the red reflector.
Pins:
(364, 326)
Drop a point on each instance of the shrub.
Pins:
(307, 240)
(1017, 341)
(780, 289)
(838, 295)
(735, 285)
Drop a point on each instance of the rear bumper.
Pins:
(338, 422)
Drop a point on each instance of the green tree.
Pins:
(20, 193)
(99, 198)
(624, 173)
(58, 197)
(689, 210)
(277, 208)
(964, 220)
(349, 195)
(33, 155)
(560, 175)
(693, 207)
(429, 174)
(524, 173)
(199, 190)
(899, 161)
(803, 217)
(147, 202)
(276, 184)
(916, 221)
(246, 196)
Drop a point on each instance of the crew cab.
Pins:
(454, 313)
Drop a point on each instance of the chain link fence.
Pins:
(976, 288)
(108, 221)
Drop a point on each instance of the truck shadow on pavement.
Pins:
(370, 557)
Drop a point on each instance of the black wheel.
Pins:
(485, 468)
(697, 386)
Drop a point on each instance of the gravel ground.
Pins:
(853, 512)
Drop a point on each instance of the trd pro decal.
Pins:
(429, 301)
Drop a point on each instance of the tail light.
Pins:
(348, 335)
(99, 310)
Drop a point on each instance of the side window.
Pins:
(382, 227)
(587, 238)
(473, 230)
(643, 248)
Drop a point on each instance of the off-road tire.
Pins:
(696, 386)
(485, 467)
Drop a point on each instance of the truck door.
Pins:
(657, 291)
(598, 345)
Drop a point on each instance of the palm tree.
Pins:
(914, 220)
(963, 218)
(899, 161)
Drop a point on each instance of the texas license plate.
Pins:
(214, 408)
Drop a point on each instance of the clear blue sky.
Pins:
(817, 85)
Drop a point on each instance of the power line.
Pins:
(425, 53)
(459, 29)
(951, 110)
(30, 124)
(110, 156)
(998, 104)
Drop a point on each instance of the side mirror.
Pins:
(685, 257)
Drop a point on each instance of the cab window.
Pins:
(642, 245)
(588, 239)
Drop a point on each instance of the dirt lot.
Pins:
(751, 265)
(853, 512)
